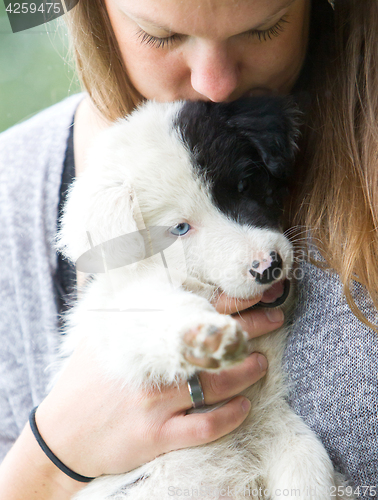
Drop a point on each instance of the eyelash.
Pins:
(263, 36)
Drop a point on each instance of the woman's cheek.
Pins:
(279, 66)
(157, 74)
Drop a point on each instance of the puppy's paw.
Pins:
(215, 344)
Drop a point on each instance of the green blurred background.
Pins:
(35, 71)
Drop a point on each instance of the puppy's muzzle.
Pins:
(271, 273)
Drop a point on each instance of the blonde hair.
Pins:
(99, 63)
(336, 197)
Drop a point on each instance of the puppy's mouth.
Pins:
(275, 296)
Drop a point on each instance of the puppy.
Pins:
(181, 202)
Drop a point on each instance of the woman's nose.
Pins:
(214, 72)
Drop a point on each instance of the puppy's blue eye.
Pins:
(180, 229)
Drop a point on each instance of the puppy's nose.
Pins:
(267, 270)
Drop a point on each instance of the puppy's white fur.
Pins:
(136, 316)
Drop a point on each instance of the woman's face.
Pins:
(216, 50)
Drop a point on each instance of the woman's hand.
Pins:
(97, 426)
(255, 322)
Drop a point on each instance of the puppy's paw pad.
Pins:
(214, 346)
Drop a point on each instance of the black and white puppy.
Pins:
(180, 202)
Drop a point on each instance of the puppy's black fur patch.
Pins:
(244, 150)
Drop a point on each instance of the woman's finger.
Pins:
(257, 322)
(200, 428)
(230, 305)
(218, 387)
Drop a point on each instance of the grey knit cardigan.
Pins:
(330, 360)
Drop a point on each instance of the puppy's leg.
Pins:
(213, 341)
(299, 466)
(150, 333)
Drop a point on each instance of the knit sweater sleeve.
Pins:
(31, 160)
(331, 365)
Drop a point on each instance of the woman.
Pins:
(210, 50)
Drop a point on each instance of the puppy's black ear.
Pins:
(271, 125)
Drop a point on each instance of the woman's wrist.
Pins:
(48, 452)
(28, 473)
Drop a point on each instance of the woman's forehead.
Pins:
(204, 17)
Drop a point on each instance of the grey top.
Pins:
(330, 358)
(331, 365)
(31, 161)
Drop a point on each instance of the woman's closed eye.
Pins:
(158, 42)
(164, 42)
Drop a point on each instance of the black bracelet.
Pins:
(50, 454)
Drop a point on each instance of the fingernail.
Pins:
(246, 405)
(263, 362)
(274, 315)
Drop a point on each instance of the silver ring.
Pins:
(196, 392)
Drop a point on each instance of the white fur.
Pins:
(140, 175)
